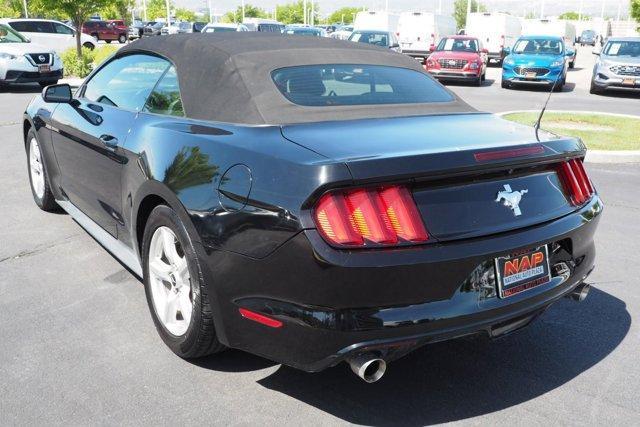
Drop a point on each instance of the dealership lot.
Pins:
(78, 343)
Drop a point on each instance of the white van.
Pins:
(420, 32)
(496, 31)
(51, 34)
(552, 27)
(372, 20)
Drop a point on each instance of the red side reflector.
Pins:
(370, 217)
(260, 318)
(507, 154)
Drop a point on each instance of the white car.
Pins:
(48, 33)
(173, 28)
(25, 62)
(219, 28)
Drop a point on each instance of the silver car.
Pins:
(618, 66)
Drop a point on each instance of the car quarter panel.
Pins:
(242, 186)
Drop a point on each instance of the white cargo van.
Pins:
(420, 32)
(372, 20)
(495, 30)
(552, 27)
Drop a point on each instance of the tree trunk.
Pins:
(78, 25)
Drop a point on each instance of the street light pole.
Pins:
(168, 13)
(26, 12)
(304, 12)
(468, 12)
(144, 10)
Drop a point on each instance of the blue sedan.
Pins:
(536, 60)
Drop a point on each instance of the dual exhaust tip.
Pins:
(368, 367)
(371, 368)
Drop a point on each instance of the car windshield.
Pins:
(622, 48)
(538, 46)
(219, 29)
(588, 33)
(458, 45)
(9, 35)
(302, 31)
(185, 25)
(375, 38)
(347, 84)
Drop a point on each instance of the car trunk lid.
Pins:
(464, 169)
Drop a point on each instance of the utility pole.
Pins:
(468, 13)
(580, 10)
(304, 12)
(144, 10)
(311, 17)
(168, 13)
(26, 12)
(242, 10)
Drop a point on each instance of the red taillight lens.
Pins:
(371, 217)
(576, 181)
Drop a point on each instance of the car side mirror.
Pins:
(506, 50)
(393, 46)
(432, 48)
(57, 93)
(596, 52)
(485, 51)
(570, 52)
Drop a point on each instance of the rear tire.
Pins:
(478, 81)
(108, 41)
(89, 46)
(173, 279)
(38, 176)
(572, 64)
(594, 89)
(122, 39)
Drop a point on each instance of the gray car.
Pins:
(618, 66)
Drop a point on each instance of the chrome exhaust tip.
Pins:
(580, 293)
(368, 367)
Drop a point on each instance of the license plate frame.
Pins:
(44, 68)
(537, 273)
(530, 75)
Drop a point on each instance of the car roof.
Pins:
(624, 39)
(540, 36)
(237, 68)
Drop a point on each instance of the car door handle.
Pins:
(110, 142)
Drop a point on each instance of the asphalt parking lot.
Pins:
(78, 345)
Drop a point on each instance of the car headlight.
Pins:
(509, 61)
(4, 55)
(473, 65)
(558, 63)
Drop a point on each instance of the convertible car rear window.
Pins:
(351, 84)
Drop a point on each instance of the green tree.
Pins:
(293, 13)
(118, 9)
(635, 9)
(460, 11)
(190, 167)
(183, 14)
(78, 11)
(157, 9)
(11, 9)
(250, 11)
(343, 15)
(570, 16)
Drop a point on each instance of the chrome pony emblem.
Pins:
(42, 58)
(511, 198)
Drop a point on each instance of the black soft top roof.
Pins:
(227, 76)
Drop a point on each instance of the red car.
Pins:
(458, 58)
(107, 30)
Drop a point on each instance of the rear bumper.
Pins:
(335, 304)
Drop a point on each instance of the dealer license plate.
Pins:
(529, 75)
(522, 271)
(44, 68)
(629, 82)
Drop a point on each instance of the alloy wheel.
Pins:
(170, 281)
(35, 168)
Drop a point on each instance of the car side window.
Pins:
(42, 27)
(62, 29)
(165, 98)
(23, 26)
(126, 82)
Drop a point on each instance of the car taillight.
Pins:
(370, 217)
(576, 181)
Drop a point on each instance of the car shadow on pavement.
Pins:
(568, 87)
(620, 94)
(21, 88)
(472, 376)
(486, 82)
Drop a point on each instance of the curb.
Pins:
(596, 156)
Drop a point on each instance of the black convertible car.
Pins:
(311, 200)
